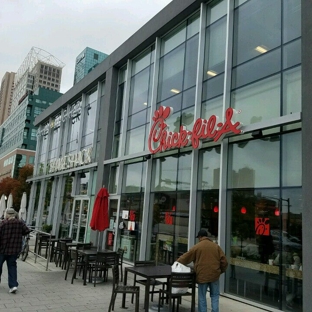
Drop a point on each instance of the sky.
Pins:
(64, 28)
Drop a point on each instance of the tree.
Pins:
(17, 186)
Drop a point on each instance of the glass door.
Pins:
(113, 219)
(79, 219)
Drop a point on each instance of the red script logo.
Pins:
(160, 140)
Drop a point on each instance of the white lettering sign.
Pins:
(71, 161)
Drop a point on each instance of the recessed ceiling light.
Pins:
(212, 73)
(145, 103)
(261, 49)
(175, 91)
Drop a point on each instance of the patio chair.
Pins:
(74, 260)
(123, 289)
(120, 252)
(153, 282)
(178, 281)
(43, 243)
(59, 251)
(103, 262)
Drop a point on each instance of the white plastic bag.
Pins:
(179, 268)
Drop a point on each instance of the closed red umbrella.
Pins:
(99, 219)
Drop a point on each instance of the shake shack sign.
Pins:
(161, 139)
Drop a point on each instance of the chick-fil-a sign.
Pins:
(160, 139)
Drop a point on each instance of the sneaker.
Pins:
(13, 290)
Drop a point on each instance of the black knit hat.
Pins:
(202, 233)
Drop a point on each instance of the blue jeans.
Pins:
(214, 295)
(12, 269)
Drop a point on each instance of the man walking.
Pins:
(209, 262)
(11, 232)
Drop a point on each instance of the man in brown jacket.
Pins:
(209, 262)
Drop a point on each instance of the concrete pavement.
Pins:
(42, 290)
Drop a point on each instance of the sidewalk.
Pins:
(42, 290)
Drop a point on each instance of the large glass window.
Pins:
(54, 143)
(178, 65)
(264, 211)
(254, 164)
(131, 210)
(119, 112)
(257, 29)
(208, 191)
(89, 119)
(258, 101)
(169, 207)
(74, 126)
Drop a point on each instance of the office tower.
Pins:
(6, 92)
(86, 61)
(39, 69)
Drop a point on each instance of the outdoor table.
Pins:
(87, 254)
(148, 272)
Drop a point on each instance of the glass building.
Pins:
(86, 61)
(199, 120)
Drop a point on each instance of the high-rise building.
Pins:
(36, 86)
(86, 61)
(18, 135)
(6, 93)
(39, 69)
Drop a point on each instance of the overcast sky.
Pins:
(65, 27)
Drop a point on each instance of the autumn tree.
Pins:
(17, 186)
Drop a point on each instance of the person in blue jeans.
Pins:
(209, 263)
(12, 231)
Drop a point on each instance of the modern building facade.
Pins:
(6, 95)
(199, 120)
(86, 61)
(18, 135)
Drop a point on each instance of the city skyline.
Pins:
(71, 27)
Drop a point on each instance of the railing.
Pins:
(35, 252)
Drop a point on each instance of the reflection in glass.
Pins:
(135, 140)
(133, 175)
(139, 91)
(259, 101)
(215, 49)
(209, 172)
(36, 204)
(257, 29)
(164, 177)
(254, 164)
(291, 20)
(171, 76)
(266, 246)
(260, 67)
(169, 228)
(292, 91)
(130, 224)
(292, 159)
(67, 205)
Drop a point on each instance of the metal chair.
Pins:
(178, 280)
(124, 289)
(58, 252)
(75, 260)
(153, 282)
(120, 252)
(103, 262)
